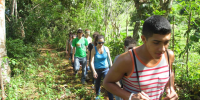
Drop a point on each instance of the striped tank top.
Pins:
(152, 79)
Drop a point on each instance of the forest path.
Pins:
(74, 80)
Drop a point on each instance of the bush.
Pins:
(116, 47)
(17, 49)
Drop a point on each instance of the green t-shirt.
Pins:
(80, 45)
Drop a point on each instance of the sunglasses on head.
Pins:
(100, 42)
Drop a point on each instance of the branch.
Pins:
(7, 18)
(35, 6)
(186, 11)
(183, 7)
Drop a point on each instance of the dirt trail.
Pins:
(88, 82)
(66, 63)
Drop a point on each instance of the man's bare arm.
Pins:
(122, 65)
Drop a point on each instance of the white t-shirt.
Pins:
(89, 39)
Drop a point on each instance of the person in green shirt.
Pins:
(79, 54)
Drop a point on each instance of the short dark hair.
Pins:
(97, 38)
(70, 33)
(129, 40)
(156, 24)
(80, 31)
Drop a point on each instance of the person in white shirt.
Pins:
(87, 36)
(89, 39)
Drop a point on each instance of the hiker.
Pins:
(68, 44)
(87, 36)
(129, 43)
(71, 49)
(79, 54)
(100, 59)
(145, 70)
(89, 39)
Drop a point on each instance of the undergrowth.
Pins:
(45, 77)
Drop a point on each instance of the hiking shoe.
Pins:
(88, 68)
(83, 82)
(97, 98)
(76, 73)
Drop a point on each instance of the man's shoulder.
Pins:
(123, 63)
(171, 54)
(124, 57)
(116, 57)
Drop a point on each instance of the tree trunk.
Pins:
(119, 29)
(135, 31)
(15, 10)
(166, 5)
(137, 23)
(22, 30)
(5, 69)
(106, 31)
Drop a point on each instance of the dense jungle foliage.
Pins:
(37, 31)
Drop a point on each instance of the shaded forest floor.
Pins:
(49, 76)
(70, 80)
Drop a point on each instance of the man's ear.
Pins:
(143, 39)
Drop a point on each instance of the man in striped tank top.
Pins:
(146, 70)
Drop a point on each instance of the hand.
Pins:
(171, 95)
(140, 96)
(95, 75)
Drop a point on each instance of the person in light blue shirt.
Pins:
(100, 58)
